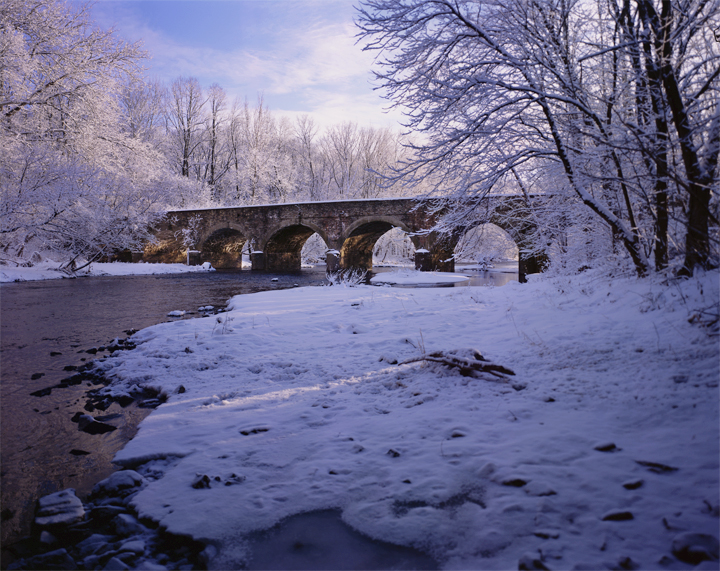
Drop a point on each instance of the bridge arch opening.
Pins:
(394, 248)
(283, 250)
(357, 249)
(314, 250)
(223, 248)
(484, 244)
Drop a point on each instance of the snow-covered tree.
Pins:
(186, 122)
(572, 94)
(72, 178)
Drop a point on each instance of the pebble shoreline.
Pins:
(103, 533)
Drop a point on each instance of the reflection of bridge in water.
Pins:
(350, 228)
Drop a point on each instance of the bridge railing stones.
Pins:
(275, 234)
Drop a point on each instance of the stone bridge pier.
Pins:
(275, 234)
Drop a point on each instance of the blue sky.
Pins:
(300, 55)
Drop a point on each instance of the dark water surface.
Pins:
(70, 316)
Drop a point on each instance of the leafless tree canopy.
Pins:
(609, 106)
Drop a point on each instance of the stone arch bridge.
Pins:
(350, 228)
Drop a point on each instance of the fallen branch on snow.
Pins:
(469, 361)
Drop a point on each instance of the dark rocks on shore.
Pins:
(102, 533)
(88, 424)
(42, 392)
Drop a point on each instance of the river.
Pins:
(47, 326)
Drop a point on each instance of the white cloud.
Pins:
(309, 64)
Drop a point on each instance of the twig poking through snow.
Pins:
(468, 365)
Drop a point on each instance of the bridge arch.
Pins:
(360, 238)
(222, 245)
(518, 229)
(284, 244)
(484, 241)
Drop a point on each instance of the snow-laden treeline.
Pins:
(602, 119)
(238, 153)
(93, 151)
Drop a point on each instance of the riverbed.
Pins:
(48, 326)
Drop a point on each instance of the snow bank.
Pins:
(50, 270)
(291, 402)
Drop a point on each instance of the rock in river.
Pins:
(59, 508)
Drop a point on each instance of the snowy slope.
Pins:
(295, 403)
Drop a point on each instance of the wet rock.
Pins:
(150, 566)
(633, 484)
(125, 400)
(656, 467)
(136, 546)
(105, 513)
(201, 482)
(539, 489)
(119, 484)
(627, 563)
(115, 564)
(694, 548)
(60, 508)
(234, 479)
(88, 424)
(617, 515)
(257, 430)
(127, 525)
(58, 559)
(47, 538)
(41, 392)
(393, 453)
(546, 534)
(606, 447)
(92, 544)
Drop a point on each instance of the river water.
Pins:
(46, 326)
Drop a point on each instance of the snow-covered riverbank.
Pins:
(604, 445)
(51, 270)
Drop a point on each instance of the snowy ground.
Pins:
(293, 401)
(50, 270)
